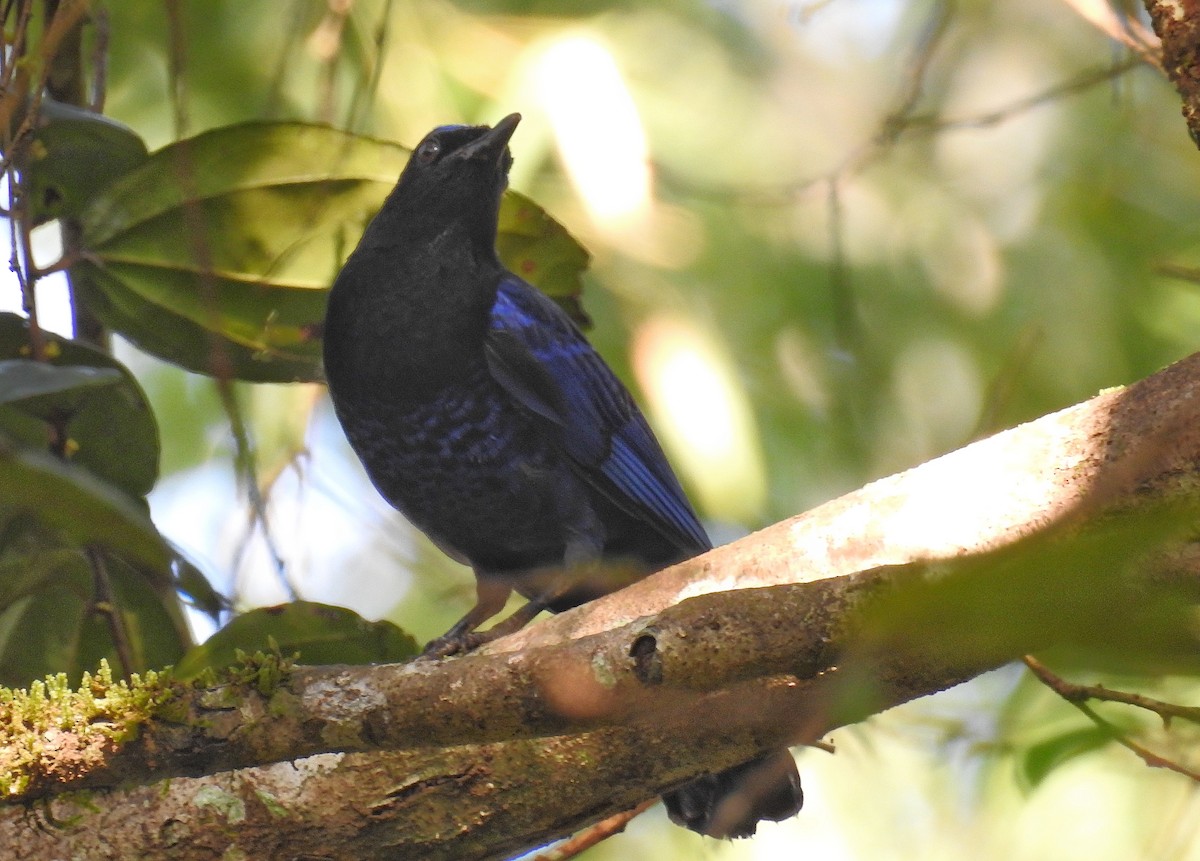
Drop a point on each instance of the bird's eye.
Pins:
(428, 151)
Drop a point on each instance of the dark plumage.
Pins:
(480, 412)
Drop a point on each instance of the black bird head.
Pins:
(455, 177)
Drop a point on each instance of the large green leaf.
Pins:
(105, 414)
(232, 238)
(320, 633)
(177, 339)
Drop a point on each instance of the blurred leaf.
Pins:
(239, 232)
(540, 250)
(1040, 759)
(57, 629)
(321, 633)
(106, 414)
(74, 154)
(1068, 588)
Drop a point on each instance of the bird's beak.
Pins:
(491, 145)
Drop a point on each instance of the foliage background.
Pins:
(873, 231)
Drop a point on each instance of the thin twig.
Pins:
(177, 66)
(100, 60)
(893, 126)
(104, 603)
(597, 833)
(918, 70)
(1078, 84)
(1124, 29)
(1079, 693)
(21, 231)
(1075, 695)
(362, 97)
(220, 363)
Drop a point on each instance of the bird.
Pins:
(480, 411)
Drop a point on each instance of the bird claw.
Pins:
(446, 645)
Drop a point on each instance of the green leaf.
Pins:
(540, 250)
(1042, 758)
(321, 633)
(177, 339)
(105, 414)
(27, 573)
(191, 581)
(57, 629)
(81, 508)
(1071, 589)
(74, 154)
(43, 390)
(239, 232)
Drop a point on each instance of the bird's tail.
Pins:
(733, 802)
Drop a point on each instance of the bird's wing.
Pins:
(535, 352)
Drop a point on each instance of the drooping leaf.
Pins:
(74, 154)
(178, 339)
(321, 633)
(238, 232)
(81, 508)
(191, 581)
(105, 414)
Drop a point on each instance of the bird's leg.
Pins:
(523, 615)
(491, 594)
(581, 554)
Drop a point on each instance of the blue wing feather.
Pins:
(542, 360)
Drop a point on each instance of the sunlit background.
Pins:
(802, 303)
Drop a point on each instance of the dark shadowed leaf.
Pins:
(105, 414)
(23, 574)
(321, 633)
(195, 587)
(239, 231)
(57, 629)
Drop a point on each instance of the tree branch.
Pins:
(594, 711)
(1177, 24)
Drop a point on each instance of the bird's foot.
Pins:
(459, 642)
(447, 645)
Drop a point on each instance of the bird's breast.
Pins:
(468, 467)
